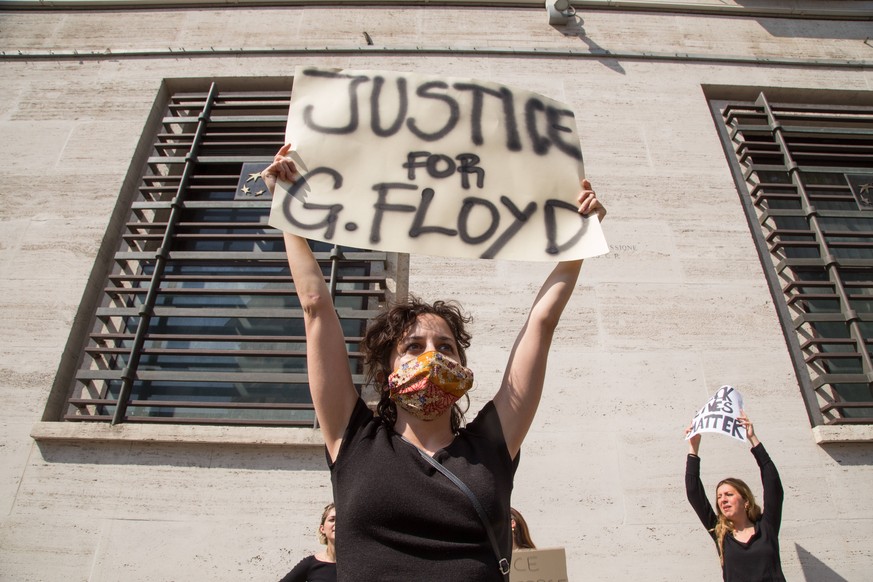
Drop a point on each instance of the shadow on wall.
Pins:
(808, 28)
(849, 454)
(252, 458)
(574, 28)
(814, 570)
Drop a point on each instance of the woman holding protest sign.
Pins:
(401, 520)
(746, 536)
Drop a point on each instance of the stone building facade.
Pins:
(681, 304)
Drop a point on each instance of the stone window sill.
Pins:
(846, 433)
(176, 434)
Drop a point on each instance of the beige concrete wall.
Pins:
(678, 308)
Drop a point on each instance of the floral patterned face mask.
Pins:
(429, 385)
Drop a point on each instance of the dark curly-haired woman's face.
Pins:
(429, 333)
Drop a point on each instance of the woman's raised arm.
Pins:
(330, 379)
(522, 386)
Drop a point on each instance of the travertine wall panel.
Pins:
(458, 27)
(32, 144)
(91, 30)
(48, 548)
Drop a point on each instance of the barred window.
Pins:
(197, 320)
(805, 176)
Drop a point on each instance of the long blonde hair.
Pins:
(724, 526)
(327, 509)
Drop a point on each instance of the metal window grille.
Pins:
(198, 321)
(805, 176)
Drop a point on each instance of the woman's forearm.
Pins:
(555, 293)
(305, 272)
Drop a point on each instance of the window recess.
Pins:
(805, 176)
(197, 321)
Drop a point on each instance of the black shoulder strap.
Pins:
(502, 563)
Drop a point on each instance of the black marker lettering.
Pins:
(553, 248)
(381, 207)
(540, 144)
(333, 210)
(714, 405)
(354, 81)
(521, 217)
(454, 111)
(714, 418)
(513, 142)
(417, 229)
(468, 166)
(466, 209)
(435, 172)
(736, 431)
(412, 163)
(555, 127)
(374, 107)
(433, 162)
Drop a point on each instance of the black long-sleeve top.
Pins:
(311, 569)
(757, 560)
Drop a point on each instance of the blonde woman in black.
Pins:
(320, 567)
(746, 536)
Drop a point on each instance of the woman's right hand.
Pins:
(282, 168)
(693, 442)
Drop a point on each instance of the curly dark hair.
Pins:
(385, 331)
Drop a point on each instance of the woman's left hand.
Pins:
(744, 422)
(282, 168)
(588, 201)
(693, 442)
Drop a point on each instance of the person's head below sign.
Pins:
(321, 566)
(521, 539)
(746, 536)
(403, 518)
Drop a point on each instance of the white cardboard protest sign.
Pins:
(435, 165)
(543, 565)
(720, 415)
